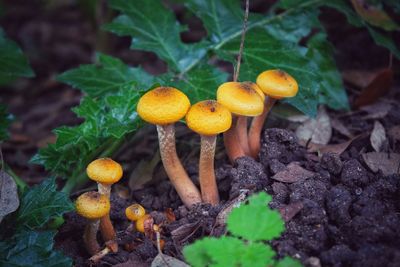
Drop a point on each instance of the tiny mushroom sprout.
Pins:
(208, 118)
(105, 172)
(276, 84)
(93, 206)
(135, 212)
(243, 99)
(164, 106)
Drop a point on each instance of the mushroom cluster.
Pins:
(163, 107)
(236, 101)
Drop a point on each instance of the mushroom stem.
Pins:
(90, 237)
(241, 128)
(232, 145)
(257, 126)
(208, 184)
(185, 188)
(106, 227)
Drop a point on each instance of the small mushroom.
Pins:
(105, 172)
(164, 106)
(133, 213)
(276, 84)
(93, 206)
(243, 99)
(208, 118)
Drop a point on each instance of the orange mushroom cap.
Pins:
(209, 118)
(92, 205)
(241, 98)
(163, 105)
(277, 84)
(140, 223)
(104, 171)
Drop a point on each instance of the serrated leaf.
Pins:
(155, 29)
(106, 77)
(33, 249)
(221, 18)
(198, 84)
(256, 221)
(41, 203)
(263, 52)
(257, 255)
(13, 63)
(107, 120)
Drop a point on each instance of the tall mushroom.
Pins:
(242, 99)
(93, 206)
(164, 106)
(276, 84)
(208, 118)
(105, 172)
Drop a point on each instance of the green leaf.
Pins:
(5, 121)
(263, 52)
(221, 18)
(256, 221)
(106, 77)
(33, 249)
(332, 90)
(198, 84)
(107, 120)
(155, 29)
(288, 262)
(257, 255)
(41, 203)
(13, 63)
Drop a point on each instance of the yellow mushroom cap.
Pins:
(92, 205)
(240, 98)
(104, 171)
(134, 212)
(209, 118)
(277, 84)
(163, 105)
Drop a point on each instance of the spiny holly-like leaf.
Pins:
(256, 221)
(106, 77)
(198, 84)
(264, 52)
(30, 248)
(106, 121)
(41, 203)
(13, 63)
(154, 28)
(5, 120)
(221, 18)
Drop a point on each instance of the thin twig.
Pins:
(239, 59)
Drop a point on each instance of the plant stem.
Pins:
(21, 184)
(239, 59)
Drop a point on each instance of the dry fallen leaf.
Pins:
(358, 78)
(335, 148)
(377, 88)
(386, 163)
(378, 136)
(223, 214)
(9, 201)
(163, 260)
(143, 173)
(289, 211)
(394, 132)
(377, 110)
(293, 173)
(169, 213)
(319, 130)
(339, 126)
